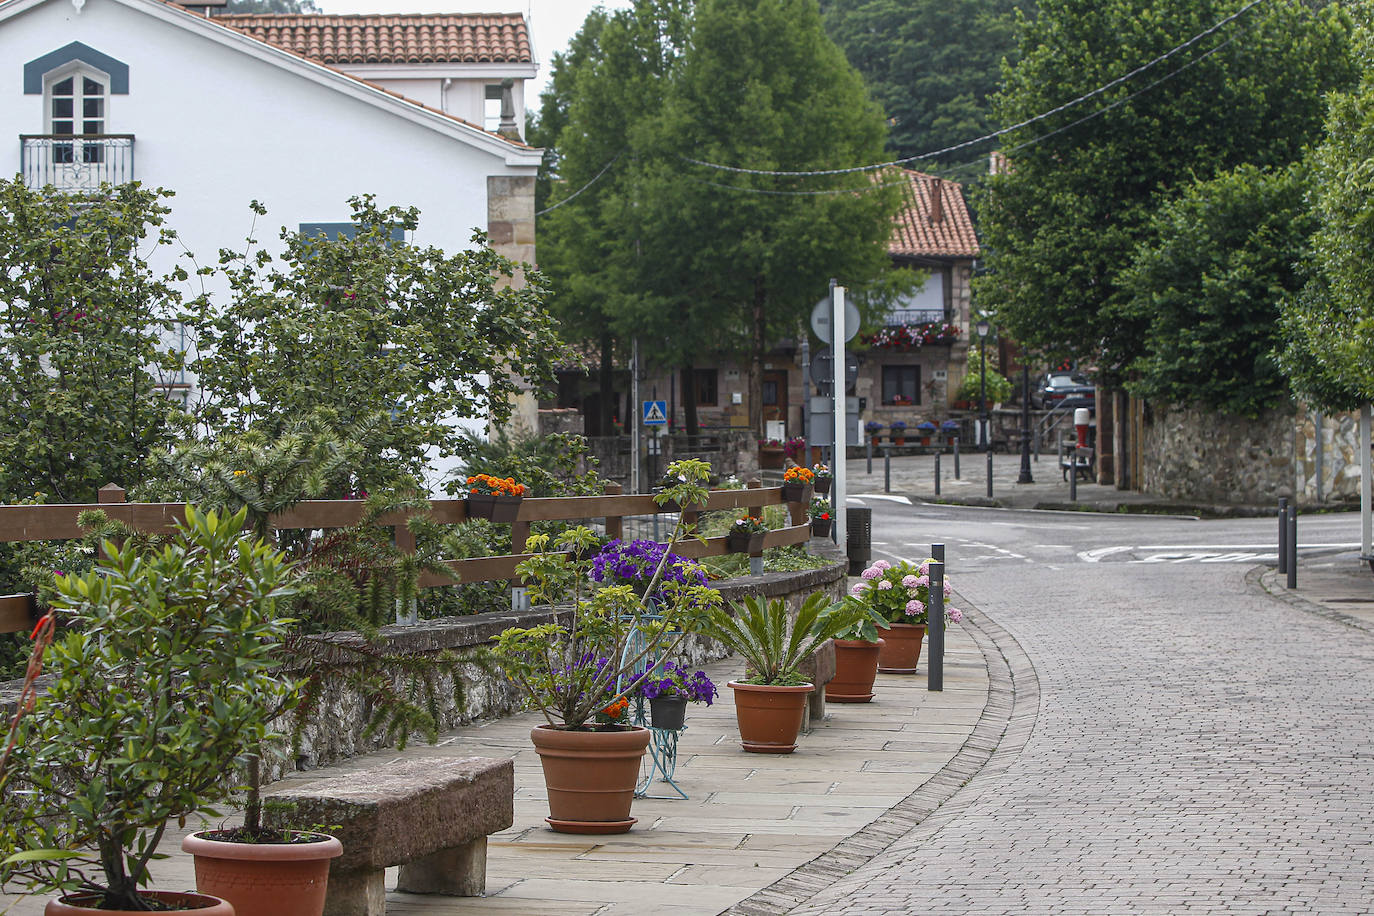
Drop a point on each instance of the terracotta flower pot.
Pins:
(901, 648)
(769, 717)
(503, 509)
(182, 903)
(771, 459)
(590, 776)
(269, 879)
(856, 667)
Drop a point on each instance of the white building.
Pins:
(298, 112)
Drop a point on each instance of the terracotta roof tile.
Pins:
(935, 221)
(375, 38)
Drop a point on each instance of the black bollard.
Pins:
(935, 627)
(1283, 534)
(887, 469)
(989, 475)
(937, 473)
(956, 457)
(1073, 474)
(1292, 546)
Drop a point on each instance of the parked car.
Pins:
(1066, 389)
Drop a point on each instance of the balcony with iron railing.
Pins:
(899, 317)
(76, 163)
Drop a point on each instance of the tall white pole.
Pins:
(1366, 480)
(837, 335)
(635, 408)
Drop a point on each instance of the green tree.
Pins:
(1061, 227)
(1208, 289)
(1328, 328)
(346, 329)
(609, 82)
(84, 328)
(931, 64)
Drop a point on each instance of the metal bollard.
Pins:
(935, 627)
(887, 469)
(1292, 546)
(956, 457)
(868, 452)
(937, 552)
(989, 475)
(937, 473)
(1283, 534)
(1073, 474)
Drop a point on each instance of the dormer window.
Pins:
(76, 105)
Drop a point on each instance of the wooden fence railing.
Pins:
(58, 522)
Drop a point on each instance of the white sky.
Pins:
(552, 22)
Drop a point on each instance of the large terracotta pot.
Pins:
(856, 667)
(189, 904)
(265, 879)
(769, 717)
(590, 776)
(901, 648)
(771, 459)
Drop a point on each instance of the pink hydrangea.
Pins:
(925, 567)
(955, 615)
(923, 580)
(949, 589)
(882, 564)
(884, 585)
(910, 581)
(872, 572)
(858, 588)
(914, 607)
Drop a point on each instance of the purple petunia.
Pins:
(633, 563)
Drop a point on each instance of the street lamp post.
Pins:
(1025, 422)
(983, 327)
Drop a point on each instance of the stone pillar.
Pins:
(510, 225)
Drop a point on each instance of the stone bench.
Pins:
(430, 815)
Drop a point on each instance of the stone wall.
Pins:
(1202, 456)
(729, 452)
(338, 725)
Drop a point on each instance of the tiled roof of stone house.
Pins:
(378, 38)
(934, 221)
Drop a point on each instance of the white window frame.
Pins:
(78, 72)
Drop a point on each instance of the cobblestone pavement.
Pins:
(1199, 746)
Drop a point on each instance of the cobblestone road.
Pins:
(1199, 747)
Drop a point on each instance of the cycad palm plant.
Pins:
(773, 647)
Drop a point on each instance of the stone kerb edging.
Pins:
(1001, 732)
(337, 725)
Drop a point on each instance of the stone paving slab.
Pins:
(753, 822)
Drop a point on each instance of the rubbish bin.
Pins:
(859, 538)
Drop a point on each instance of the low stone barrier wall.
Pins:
(337, 726)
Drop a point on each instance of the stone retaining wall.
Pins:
(337, 727)
(1202, 456)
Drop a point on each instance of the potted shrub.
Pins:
(794, 449)
(856, 658)
(494, 498)
(819, 511)
(592, 659)
(796, 484)
(771, 697)
(926, 429)
(874, 429)
(746, 535)
(897, 432)
(823, 478)
(900, 595)
(668, 688)
(168, 671)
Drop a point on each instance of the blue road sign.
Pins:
(655, 413)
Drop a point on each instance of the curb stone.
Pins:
(1256, 577)
(998, 737)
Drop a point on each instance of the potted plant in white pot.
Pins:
(165, 670)
(580, 671)
(771, 697)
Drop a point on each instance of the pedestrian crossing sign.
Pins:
(655, 413)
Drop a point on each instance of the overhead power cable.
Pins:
(1222, 23)
(571, 197)
(952, 169)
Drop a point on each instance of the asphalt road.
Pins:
(1198, 746)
